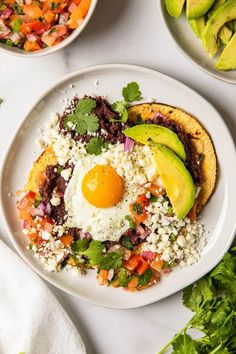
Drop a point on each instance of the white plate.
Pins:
(191, 46)
(218, 216)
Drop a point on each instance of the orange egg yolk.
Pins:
(102, 186)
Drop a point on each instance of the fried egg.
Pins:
(101, 189)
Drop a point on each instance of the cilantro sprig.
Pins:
(130, 94)
(94, 251)
(213, 300)
(82, 118)
(96, 145)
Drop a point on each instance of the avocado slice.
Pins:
(176, 179)
(227, 60)
(153, 133)
(232, 25)
(198, 25)
(224, 13)
(174, 7)
(197, 8)
(225, 34)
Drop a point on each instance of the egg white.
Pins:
(136, 168)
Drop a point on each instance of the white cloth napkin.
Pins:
(31, 319)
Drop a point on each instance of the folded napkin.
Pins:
(31, 319)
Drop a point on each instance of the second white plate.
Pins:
(191, 46)
(218, 216)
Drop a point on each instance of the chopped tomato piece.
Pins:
(142, 268)
(102, 277)
(138, 209)
(133, 262)
(31, 46)
(29, 27)
(25, 215)
(84, 6)
(66, 240)
(32, 11)
(35, 239)
(49, 16)
(133, 283)
(155, 190)
(157, 263)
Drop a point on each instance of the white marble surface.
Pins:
(120, 31)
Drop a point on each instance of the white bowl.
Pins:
(75, 33)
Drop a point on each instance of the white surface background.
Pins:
(121, 31)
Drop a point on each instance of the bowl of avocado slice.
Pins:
(205, 31)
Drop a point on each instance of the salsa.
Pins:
(34, 25)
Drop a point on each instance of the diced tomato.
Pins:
(35, 239)
(142, 268)
(138, 209)
(26, 202)
(66, 240)
(49, 16)
(157, 263)
(84, 6)
(32, 11)
(25, 215)
(31, 46)
(102, 277)
(34, 26)
(133, 262)
(155, 190)
(133, 283)
(148, 255)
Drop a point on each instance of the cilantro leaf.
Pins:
(95, 146)
(137, 208)
(80, 245)
(131, 222)
(82, 118)
(123, 277)
(152, 199)
(131, 92)
(125, 241)
(184, 344)
(94, 252)
(225, 273)
(145, 278)
(120, 108)
(112, 260)
(85, 105)
(197, 295)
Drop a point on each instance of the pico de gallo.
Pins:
(32, 25)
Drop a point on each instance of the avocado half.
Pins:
(198, 137)
(152, 133)
(176, 179)
(224, 13)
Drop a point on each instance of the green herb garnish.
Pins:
(145, 278)
(60, 169)
(96, 256)
(131, 92)
(96, 145)
(213, 300)
(120, 108)
(172, 237)
(152, 199)
(9, 43)
(80, 245)
(82, 118)
(16, 24)
(53, 5)
(132, 224)
(38, 200)
(125, 241)
(123, 277)
(137, 208)
(17, 9)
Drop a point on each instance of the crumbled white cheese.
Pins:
(66, 173)
(55, 201)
